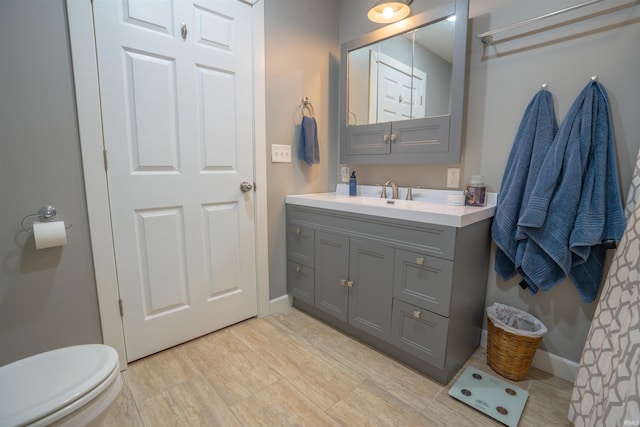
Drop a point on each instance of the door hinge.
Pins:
(106, 164)
(254, 187)
(121, 309)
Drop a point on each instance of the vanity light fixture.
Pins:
(388, 11)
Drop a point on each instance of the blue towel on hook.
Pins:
(532, 142)
(309, 150)
(575, 204)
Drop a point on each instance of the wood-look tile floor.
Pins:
(289, 369)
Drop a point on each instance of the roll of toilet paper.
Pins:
(49, 234)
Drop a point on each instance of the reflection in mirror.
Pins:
(404, 77)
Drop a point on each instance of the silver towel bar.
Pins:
(487, 37)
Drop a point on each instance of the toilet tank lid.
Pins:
(39, 385)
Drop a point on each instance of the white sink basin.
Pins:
(433, 212)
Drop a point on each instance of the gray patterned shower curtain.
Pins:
(606, 389)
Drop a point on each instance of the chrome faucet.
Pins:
(410, 193)
(394, 190)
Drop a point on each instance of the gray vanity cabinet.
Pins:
(332, 292)
(300, 263)
(421, 305)
(353, 280)
(423, 281)
(403, 140)
(371, 273)
(411, 289)
(420, 333)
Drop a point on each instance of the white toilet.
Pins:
(71, 386)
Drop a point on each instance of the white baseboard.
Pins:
(548, 362)
(279, 304)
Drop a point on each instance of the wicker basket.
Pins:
(508, 354)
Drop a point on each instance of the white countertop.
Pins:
(428, 206)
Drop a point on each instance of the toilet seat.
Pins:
(47, 387)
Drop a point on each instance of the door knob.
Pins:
(245, 186)
(183, 31)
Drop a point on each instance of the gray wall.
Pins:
(501, 82)
(48, 296)
(302, 55)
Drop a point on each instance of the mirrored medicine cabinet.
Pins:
(402, 90)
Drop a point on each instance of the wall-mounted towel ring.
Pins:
(306, 105)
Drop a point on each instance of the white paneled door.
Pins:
(397, 88)
(176, 93)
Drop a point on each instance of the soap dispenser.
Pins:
(353, 184)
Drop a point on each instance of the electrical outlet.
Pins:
(280, 153)
(344, 173)
(453, 177)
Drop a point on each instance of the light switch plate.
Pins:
(280, 153)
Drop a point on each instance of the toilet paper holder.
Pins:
(45, 213)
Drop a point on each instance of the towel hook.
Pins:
(545, 86)
(594, 78)
(306, 105)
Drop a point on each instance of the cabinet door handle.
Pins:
(298, 269)
(343, 282)
(350, 283)
(385, 138)
(420, 261)
(393, 138)
(298, 231)
(416, 314)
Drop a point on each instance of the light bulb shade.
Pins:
(388, 11)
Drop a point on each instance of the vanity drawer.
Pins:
(423, 281)
(300, 282)
(300, 244)
(419, 332)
